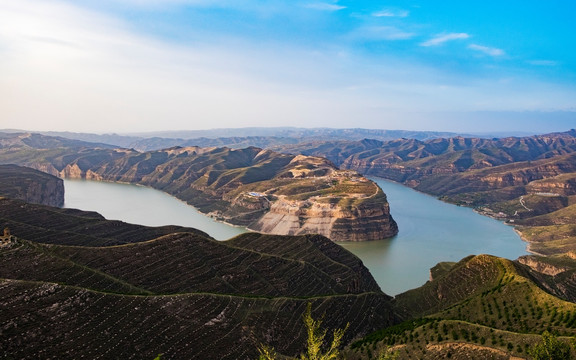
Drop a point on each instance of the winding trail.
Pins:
(522, 203)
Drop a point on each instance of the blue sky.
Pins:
(139, 65)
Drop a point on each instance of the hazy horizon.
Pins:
(150, 65)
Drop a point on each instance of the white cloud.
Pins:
(325, 6)
(442, 38)
(66, 68)
(487, 50)
(391, 13)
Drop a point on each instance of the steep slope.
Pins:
(316, 251)
(48, 320)
(30, 185)
(51, 225)
(129, 291)
(267, 191)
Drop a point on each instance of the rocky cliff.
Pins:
(365, 221)
(264, 190)
(31, 186)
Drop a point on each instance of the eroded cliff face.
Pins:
(49, 192)
(540, 266)
(32, 186)
(369, 221)
(561, 185)
(365, 222)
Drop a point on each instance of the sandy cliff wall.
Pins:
(356, 223)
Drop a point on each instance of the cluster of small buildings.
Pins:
(7, 239)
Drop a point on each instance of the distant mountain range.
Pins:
(239, 137)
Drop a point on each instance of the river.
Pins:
(430, 230)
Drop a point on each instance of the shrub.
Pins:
(550, 348)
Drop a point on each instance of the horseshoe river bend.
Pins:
(431, 231)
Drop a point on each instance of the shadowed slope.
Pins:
(168, 290)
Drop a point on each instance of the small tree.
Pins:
(385, 354)
(550, 348)
(267, 353)
(315, 341)
(316, 337)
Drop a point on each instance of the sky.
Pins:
(148, 65)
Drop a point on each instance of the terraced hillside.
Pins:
(482, 307)
(75, 284)
(267, 191)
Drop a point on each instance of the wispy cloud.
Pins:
(325, 6)
(495, 52)
(391, 13)
(382, 33)
(442, 38)
(167, 3)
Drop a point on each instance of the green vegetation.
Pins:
(176, 291)
(481, 307)
(550, 348)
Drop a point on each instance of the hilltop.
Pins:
(142, 291)
(77, 285)
(267, 191)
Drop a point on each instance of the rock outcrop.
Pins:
(31, 185)
(543, 267)
(367, 221)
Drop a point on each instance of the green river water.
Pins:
(430, 230)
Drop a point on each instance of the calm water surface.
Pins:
(430, 230)
(141, 205)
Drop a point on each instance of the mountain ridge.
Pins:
(239, 186)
